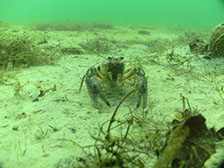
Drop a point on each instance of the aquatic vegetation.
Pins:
(148, 133)
(72, 50)
(71, 26)
(198, 46)
(212, 73)
(60, 27)
(3, 77)
(41, 134)
(216, 43)
(2, 24)
(101, 26)
(125, 137)
(140, 136)
(189, 36)
(20, 148)
(181, 63)
(21, 50)
(186, 112)
(99, 45)
(155, 46)
(29, 90)
(143, 32)
(111, 149)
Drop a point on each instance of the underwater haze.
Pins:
(181, 13)
(111, 83)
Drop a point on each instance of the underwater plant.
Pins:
(71, 26)
(60, 27)
(102, 26)
(143, 32)
(110, 149)
(21, 50)
(155, 46)
(99, 45)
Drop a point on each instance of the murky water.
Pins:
(181, 13)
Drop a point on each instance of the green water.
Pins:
(183, 13)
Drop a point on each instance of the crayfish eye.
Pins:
(98, 68)
(91, 71)
(140, 71)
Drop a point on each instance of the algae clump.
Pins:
(21, 50)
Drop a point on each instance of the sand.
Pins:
(35, 133)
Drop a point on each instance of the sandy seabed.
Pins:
(33, 131)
